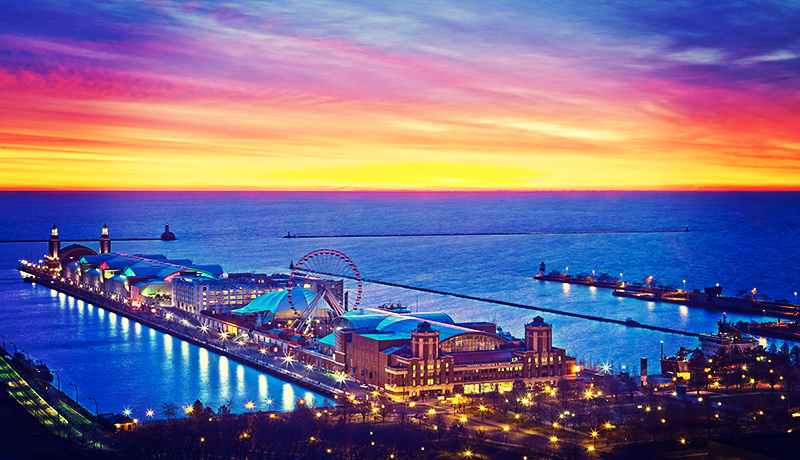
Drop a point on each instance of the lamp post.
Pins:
(15, 348)
(96, 408)
(4, 339)
(76, 391)
(684, 285)
(29, 356)
(96, 417)
(59, 379)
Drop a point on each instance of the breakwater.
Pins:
(628, 323)
(313, 381)
(401, 235)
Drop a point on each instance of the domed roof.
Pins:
(277, 301)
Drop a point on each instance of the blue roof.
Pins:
(279, 301)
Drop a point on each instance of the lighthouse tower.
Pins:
(105, 241)
(53, 249)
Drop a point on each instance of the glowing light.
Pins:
(149, 413)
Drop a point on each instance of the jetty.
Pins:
(627, 322)
(405, 235)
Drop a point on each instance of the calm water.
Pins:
(739, 240)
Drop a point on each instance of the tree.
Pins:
(169, 410)
(614, 387)
(697, 367)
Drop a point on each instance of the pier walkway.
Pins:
(270, 363)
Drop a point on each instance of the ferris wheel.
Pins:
(339, 281)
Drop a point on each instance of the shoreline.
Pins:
(121, 309)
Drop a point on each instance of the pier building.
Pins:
(428, 354)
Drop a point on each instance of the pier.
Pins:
(405, 235)
(312, 381)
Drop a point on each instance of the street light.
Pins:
(76, 391)
(96, 408)
(15, 348)
(59, 379)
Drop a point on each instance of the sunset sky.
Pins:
(366, 95)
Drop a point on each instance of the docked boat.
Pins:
(710, 344)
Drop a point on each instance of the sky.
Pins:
(377, 95)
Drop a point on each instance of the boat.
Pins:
(631, 322)
(726, 338)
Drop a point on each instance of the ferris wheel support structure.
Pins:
(332, 267)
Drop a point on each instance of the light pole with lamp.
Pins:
(96, 419)
(4, 339)
(76, 392)
(15, 348)
(59, 379)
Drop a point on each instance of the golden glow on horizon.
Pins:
(358, 145)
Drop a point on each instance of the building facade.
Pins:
(427, 354)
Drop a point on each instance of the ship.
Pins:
(727, 338)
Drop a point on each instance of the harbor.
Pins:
(709, 298)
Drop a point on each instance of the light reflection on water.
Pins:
(123, 364)
(722, 247)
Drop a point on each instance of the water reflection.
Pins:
(240, 379)
(683, 310)
(224, 389)
(288, 397)
(565, 287)
(203, 359)
(262, 387)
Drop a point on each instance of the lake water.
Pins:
(739, 240)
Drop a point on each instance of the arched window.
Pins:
(470, 342)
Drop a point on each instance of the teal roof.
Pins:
(279, 301)
(329, 340)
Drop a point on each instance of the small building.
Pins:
(118, 421)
